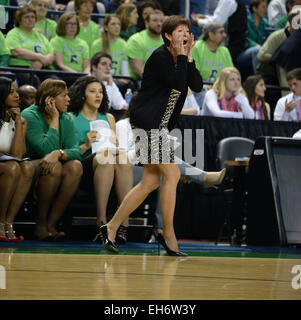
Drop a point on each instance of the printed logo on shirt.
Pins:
(38, 49)
(296, 22)
(73, 59)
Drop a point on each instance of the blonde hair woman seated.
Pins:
(227, 98)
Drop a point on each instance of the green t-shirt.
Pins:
(90, 33)
(34, 42)
(4, 52)
(41, 139)
(209, 63)
(140, 46)
(282, 22)
(117, 50)
(82, 127)
(74, 51)
(47, 28)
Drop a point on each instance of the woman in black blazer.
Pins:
(168, 73)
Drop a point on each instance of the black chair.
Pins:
(233, 186)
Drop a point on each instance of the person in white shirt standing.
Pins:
(101, 64)
(288, 108)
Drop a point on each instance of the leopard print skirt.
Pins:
(154, 146)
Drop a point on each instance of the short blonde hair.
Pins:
(219, 85)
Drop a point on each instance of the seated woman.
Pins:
(15, 174)
(28, 48)
(89, 30)
(110, 42)
(128, 15)
(89, 102)
(71, 52)
(44, 25)
(255, 89)
(226, 99)
(53, 148)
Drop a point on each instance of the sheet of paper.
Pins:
(105, 132)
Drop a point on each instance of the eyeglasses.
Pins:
(71, 24)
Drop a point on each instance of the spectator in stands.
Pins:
(227, 98)
(15, 174)
(210, 55)
(268, 70)
(28, 48)
(234, 14)
(286, 57)
(276, 10)
(283, 20)
(71, 52)
(89, 30)
(114, 5)
(141, 45)
(257, 23)
(89, 102)
(191, 106)
(128, 15)
(255, 88)
(101, 64)
(52, 146)
(288, 108)
(110, 42)
(27, 94)
(4, 52)
(44, 25)
(144, 8)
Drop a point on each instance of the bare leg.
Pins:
(23, 186)
(71, 175)
(171, 176)
(46, 191)
(123, 183)
(149, 182)
(103, 181)
(9, 176)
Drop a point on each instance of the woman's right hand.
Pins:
(48, 162)
(92, 136)
(50, 108)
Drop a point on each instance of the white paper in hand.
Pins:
(105, 132)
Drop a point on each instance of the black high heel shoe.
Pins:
(107, 244)
(170, 252)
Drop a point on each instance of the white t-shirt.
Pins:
(116, 100)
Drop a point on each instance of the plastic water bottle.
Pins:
(128, 96)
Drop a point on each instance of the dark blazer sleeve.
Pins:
(195, 80)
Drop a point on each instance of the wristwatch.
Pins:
(62, 152)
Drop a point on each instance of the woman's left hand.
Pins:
(190, 46)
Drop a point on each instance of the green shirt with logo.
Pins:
(34, 42)
(140, 46)
(90, 33)
(210, 63)
(47, 28)
(74, 51)
(117, 50)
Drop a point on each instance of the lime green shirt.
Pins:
(47, 28)
(74, 51)
(117, 50)
(140, 46)
(89, 34)
(34, 42)
(210, 63)
(82, 127)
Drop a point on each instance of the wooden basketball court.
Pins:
(57, 273)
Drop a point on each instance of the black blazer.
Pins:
(160, 76)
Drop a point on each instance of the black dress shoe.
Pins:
(170, 252)
(107, 244)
